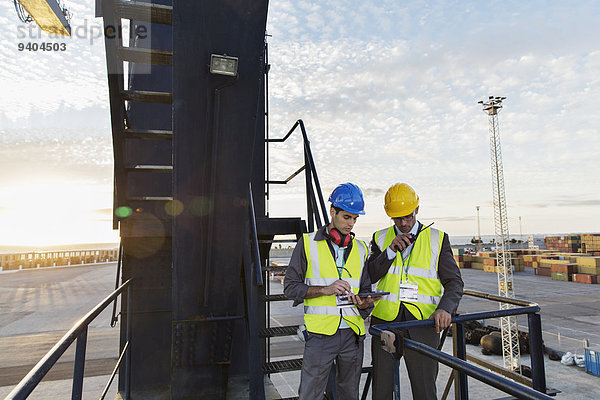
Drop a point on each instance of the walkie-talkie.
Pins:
(412, 237)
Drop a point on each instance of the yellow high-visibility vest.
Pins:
(321, 315)
(420, 267)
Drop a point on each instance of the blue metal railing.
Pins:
(79, 332)
(464, 369)
(313, 214)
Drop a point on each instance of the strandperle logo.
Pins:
(89, 31)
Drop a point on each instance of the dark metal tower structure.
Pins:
(187, 112)
(218, 148)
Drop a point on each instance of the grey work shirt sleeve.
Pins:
(293, 284)
(450, 278)
(365, 287)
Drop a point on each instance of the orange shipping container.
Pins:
(585, 278)
(564, 268)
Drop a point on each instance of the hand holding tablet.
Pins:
(373, 294)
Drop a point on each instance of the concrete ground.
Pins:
(38, 307)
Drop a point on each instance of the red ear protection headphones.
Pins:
(339, 238)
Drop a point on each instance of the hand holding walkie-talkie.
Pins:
(403, 240)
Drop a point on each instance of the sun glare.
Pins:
(56, 212)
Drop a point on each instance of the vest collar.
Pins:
(320, 234)
(413, 230)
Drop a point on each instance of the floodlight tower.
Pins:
(478, 231)
(521, 232)
(510, 334)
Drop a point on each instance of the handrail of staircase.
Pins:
(115, 316)
(78, 332)
(538, 389)
(254, 237)
(251, 260)
(311, 173)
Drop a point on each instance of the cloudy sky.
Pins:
(388, 91)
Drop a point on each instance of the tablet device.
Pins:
(373, 294)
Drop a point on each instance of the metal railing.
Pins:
(401, 343)
(252, 274)
(310, 171)
(79, 332)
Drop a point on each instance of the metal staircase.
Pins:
(140, 96)
(139, 156)
(269, 229)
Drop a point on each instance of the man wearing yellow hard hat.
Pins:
(413, 263)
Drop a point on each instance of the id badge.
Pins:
(343, 301)
(408, 291)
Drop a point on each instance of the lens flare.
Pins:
(123, 212)
(174, 207)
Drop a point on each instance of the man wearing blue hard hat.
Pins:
(327, 272)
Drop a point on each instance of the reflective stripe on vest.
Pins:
(321, 314)
(423, 269)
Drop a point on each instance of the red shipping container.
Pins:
(564, 268)
(585, 278)
(543, 271)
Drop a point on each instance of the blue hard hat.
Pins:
(348, 197)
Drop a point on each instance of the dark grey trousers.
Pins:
(422, 371)
(346, 348)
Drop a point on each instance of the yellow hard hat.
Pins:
(400, 200)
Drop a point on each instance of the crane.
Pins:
(50, 15)
(510, 335)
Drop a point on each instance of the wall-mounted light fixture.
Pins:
(223, 65)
